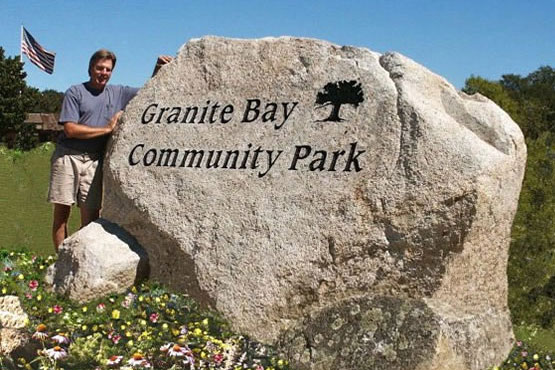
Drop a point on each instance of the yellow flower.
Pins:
(197, 332)
(130, 343)
(115, 314)
(165, 326)
(134, 289)
(157, 299)
(84, 309)
(122, 327)
(205, 322)
(21, 277)
(39, 297)
(84, 327)
(95, 328)
(141, 298)
(50, 310)
(175, 332)
(4, 290)
(128, 334)
(41, 267)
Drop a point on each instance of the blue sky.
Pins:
(452, 38)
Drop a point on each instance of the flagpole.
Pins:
(21, 45)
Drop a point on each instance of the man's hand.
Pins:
(114, 120)
(74, 130)
(161, 61)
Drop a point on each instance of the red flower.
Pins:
(218, 358)
(57, 309)
(116, 338)
(33, 285)
(154, 317)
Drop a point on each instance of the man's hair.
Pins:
(102, 54)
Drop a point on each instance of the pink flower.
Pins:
(154, 317)
(519, 343)
(524, 353)
(100, 307)
(115, 337)
(8, 269)
(33, 285)
(28, 295)
(218, 358)
(259, 367)
(57, 309)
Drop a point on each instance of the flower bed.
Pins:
(146, 328)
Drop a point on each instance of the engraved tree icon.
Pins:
(339, 93)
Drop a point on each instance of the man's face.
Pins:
(101, 72)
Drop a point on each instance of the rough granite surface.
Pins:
(97, 260)
(346, 234)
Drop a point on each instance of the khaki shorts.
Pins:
(75, 177)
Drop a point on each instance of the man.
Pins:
(90, 112)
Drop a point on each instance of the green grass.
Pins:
(542, 339)
(26, 216)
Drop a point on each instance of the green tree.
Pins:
(46, 101)
(12, 86)
(535, 95)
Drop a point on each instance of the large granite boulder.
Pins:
(349, 206)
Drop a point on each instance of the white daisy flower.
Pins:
(57, 353)
(114, 360)
(138, 360)
(178, 351)
(60, 339)
(41, 333)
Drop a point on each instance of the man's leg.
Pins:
(59, 225)
(88, 215)
(90, 191)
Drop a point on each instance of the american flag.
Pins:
(40, 57)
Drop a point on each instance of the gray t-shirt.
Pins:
(93, 108)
